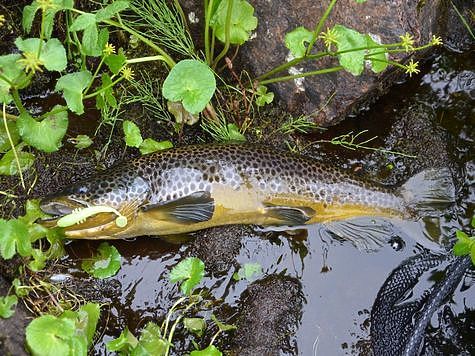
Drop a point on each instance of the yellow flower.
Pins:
(108, 49)
(436, 40)
(412, 67)
(2, 20)
(407, 41)
(329, 37)
(127, 73)
(31, 62)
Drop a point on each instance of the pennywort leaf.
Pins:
(262, 96)
(243, 21)
(81, 141)
(47, 134)
(52, 55)
(248, 271)
(105, 264)
(72, 85)
(296, 41)
(132, 135)
(190, 271)
(7, 306)
(195, 325)
(12, 74)
(8, 164)
(151, 342)
(115, 62)
(125, 343)
(149, 145)
(4, 141)
(222, 326)
(348, 39)
(14, 238)
(50, 335)
(211, 350)
(192, 82)
(377, 56)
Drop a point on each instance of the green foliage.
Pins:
(124, 344)
(222, 326)
(465, 244)
(47, 134)
(81, 141)
(52, 54)
(7, 306)
(111, 10)
(349, 39)
(192, 82)
(190, 271)
(132, 135)
(30, 11)
(296, 41)
(8, 164)
(4, 141)
(262, 96)
(69, 334)
(115, 62)
(195, 325)
(17, 235)
(211, 350)
(151, 342)
(105, 264)
(149, 145)
(242, 21)
(377, 56)
(248, 271)
(72, 86)
(11, 74)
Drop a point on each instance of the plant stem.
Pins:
(227, 30)
(172, 329)
(146, 59)
(319, 26)
(208, 5)
(17, 101)
(88, 96)
(169, 314)
(15, 154)
(301, 75)
(94, 75)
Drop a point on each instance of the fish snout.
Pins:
(59, 206)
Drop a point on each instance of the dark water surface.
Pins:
(339, 283)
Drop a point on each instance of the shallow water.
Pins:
(339, 282)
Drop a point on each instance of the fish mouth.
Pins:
(58, 207)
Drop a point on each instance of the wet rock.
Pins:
(218, 247)
(12, 330)
(329, 98)
(270, 310)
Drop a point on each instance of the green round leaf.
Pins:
(195, 325)
(349, 39)
(4, 141)
(249, 271)
(52, 55)
(132, 135)
(149, 145)
(192, 82)
(14, 238)
(49, 335)
(191, 271)
(105, 264)
(9, 166)
(378, 56)
(72, 85)
(211, 350)
(295, 41)
(47, 134)
(242, 21)
(7, 306)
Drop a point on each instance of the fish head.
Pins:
(123, 191)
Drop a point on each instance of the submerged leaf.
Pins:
(242, 21)
(105, 264)
(192, 82)
(296, 40)
(151, 342)
(195, 325)
(211, 350)
(7, 306)
(47, 134)
(248, 271)
(190, 271)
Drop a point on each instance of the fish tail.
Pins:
(430, 190)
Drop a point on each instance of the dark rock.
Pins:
(270, 310)
(329, 98)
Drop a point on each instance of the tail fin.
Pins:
(429, 190)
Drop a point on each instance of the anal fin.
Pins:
(290, 215)
(194, 208)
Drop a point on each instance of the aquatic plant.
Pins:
(465, 244)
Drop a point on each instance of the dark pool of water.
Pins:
(339, 282)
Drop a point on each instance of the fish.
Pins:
(190, 188)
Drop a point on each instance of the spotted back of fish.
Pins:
(172, 174)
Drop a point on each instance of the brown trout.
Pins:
(195, 187)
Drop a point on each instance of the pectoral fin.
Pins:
(194, 208)
(290, 215)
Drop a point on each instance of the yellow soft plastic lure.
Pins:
(80, 215)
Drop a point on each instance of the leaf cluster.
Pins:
(465, 244)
